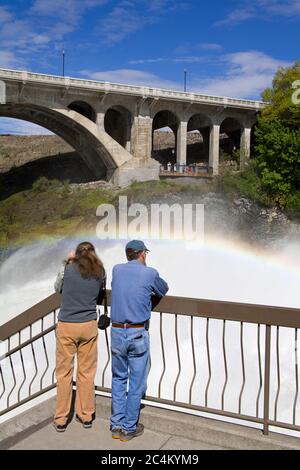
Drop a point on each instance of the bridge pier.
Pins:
(182, 143)
(100, 119)
(214, 148)
(137, 169)
(245, 146)
(141, 136)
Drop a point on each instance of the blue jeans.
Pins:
(130, 366)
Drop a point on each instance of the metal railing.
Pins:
(185, 170)
(229, 359)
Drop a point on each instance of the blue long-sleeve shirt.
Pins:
(133, 283)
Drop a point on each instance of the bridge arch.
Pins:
(83, 108)
(118, 124)
(165, 120)
(230, 136)
(92, 144)
(198, 124)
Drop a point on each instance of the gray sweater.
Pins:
(79, 295)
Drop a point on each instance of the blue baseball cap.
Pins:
(136, 245)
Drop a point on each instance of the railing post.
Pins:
(267, 380)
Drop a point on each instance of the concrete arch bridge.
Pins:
(112, 126)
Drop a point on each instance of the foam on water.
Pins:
(213, 271)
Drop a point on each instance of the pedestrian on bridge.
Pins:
(133, 284)
(80, 281)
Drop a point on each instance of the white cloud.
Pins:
(129, 16)
(149, 61)
(5, 15)
(176, 60)
(19, 127)
(237, 86)
(159, 5)
(120, 23)
(131, 77)
(254, 61)
(246, 75)
(9, 60)
(166, 6)
(280, 7)
(62, 17)
(192, 48)
(68, 10)
(41, 26)
(21, 34)
(263, 9)
(190, 59)
(237, 16)
(242, 75)
(208, 46)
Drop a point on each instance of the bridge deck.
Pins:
(125, 89)
(164, 429)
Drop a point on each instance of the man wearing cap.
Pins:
(133, 284)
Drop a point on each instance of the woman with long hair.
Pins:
(80, 282)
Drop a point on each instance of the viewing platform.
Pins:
(223, 375)
(164, 430)
(183, 171)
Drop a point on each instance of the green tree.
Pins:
(280, 97)
(278, 137)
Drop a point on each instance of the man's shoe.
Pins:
(116, 432)
(59, 427)
(127, 436)
(85, 424)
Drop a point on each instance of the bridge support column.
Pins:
(214, 148)
(141, 136)
(245, 146)
(181, 143)
(100, 120)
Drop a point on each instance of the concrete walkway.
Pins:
(164, 429)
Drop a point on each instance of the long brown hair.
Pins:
(88, 263)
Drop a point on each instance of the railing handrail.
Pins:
(217, 309)
(33, 314)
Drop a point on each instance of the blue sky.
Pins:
(229, 48)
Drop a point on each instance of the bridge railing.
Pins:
(233, 360)
(77, 83)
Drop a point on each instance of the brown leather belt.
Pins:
(128, 325)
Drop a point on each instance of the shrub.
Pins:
(42, 184)
(246, 183)
(293, 202)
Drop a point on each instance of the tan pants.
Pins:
(72, 338)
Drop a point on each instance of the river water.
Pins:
(215, 270)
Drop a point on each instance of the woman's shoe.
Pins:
(85, 424)
(59, 427)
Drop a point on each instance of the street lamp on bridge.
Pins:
(63, 63)
(185, 75)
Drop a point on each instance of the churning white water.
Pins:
(212, 271)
